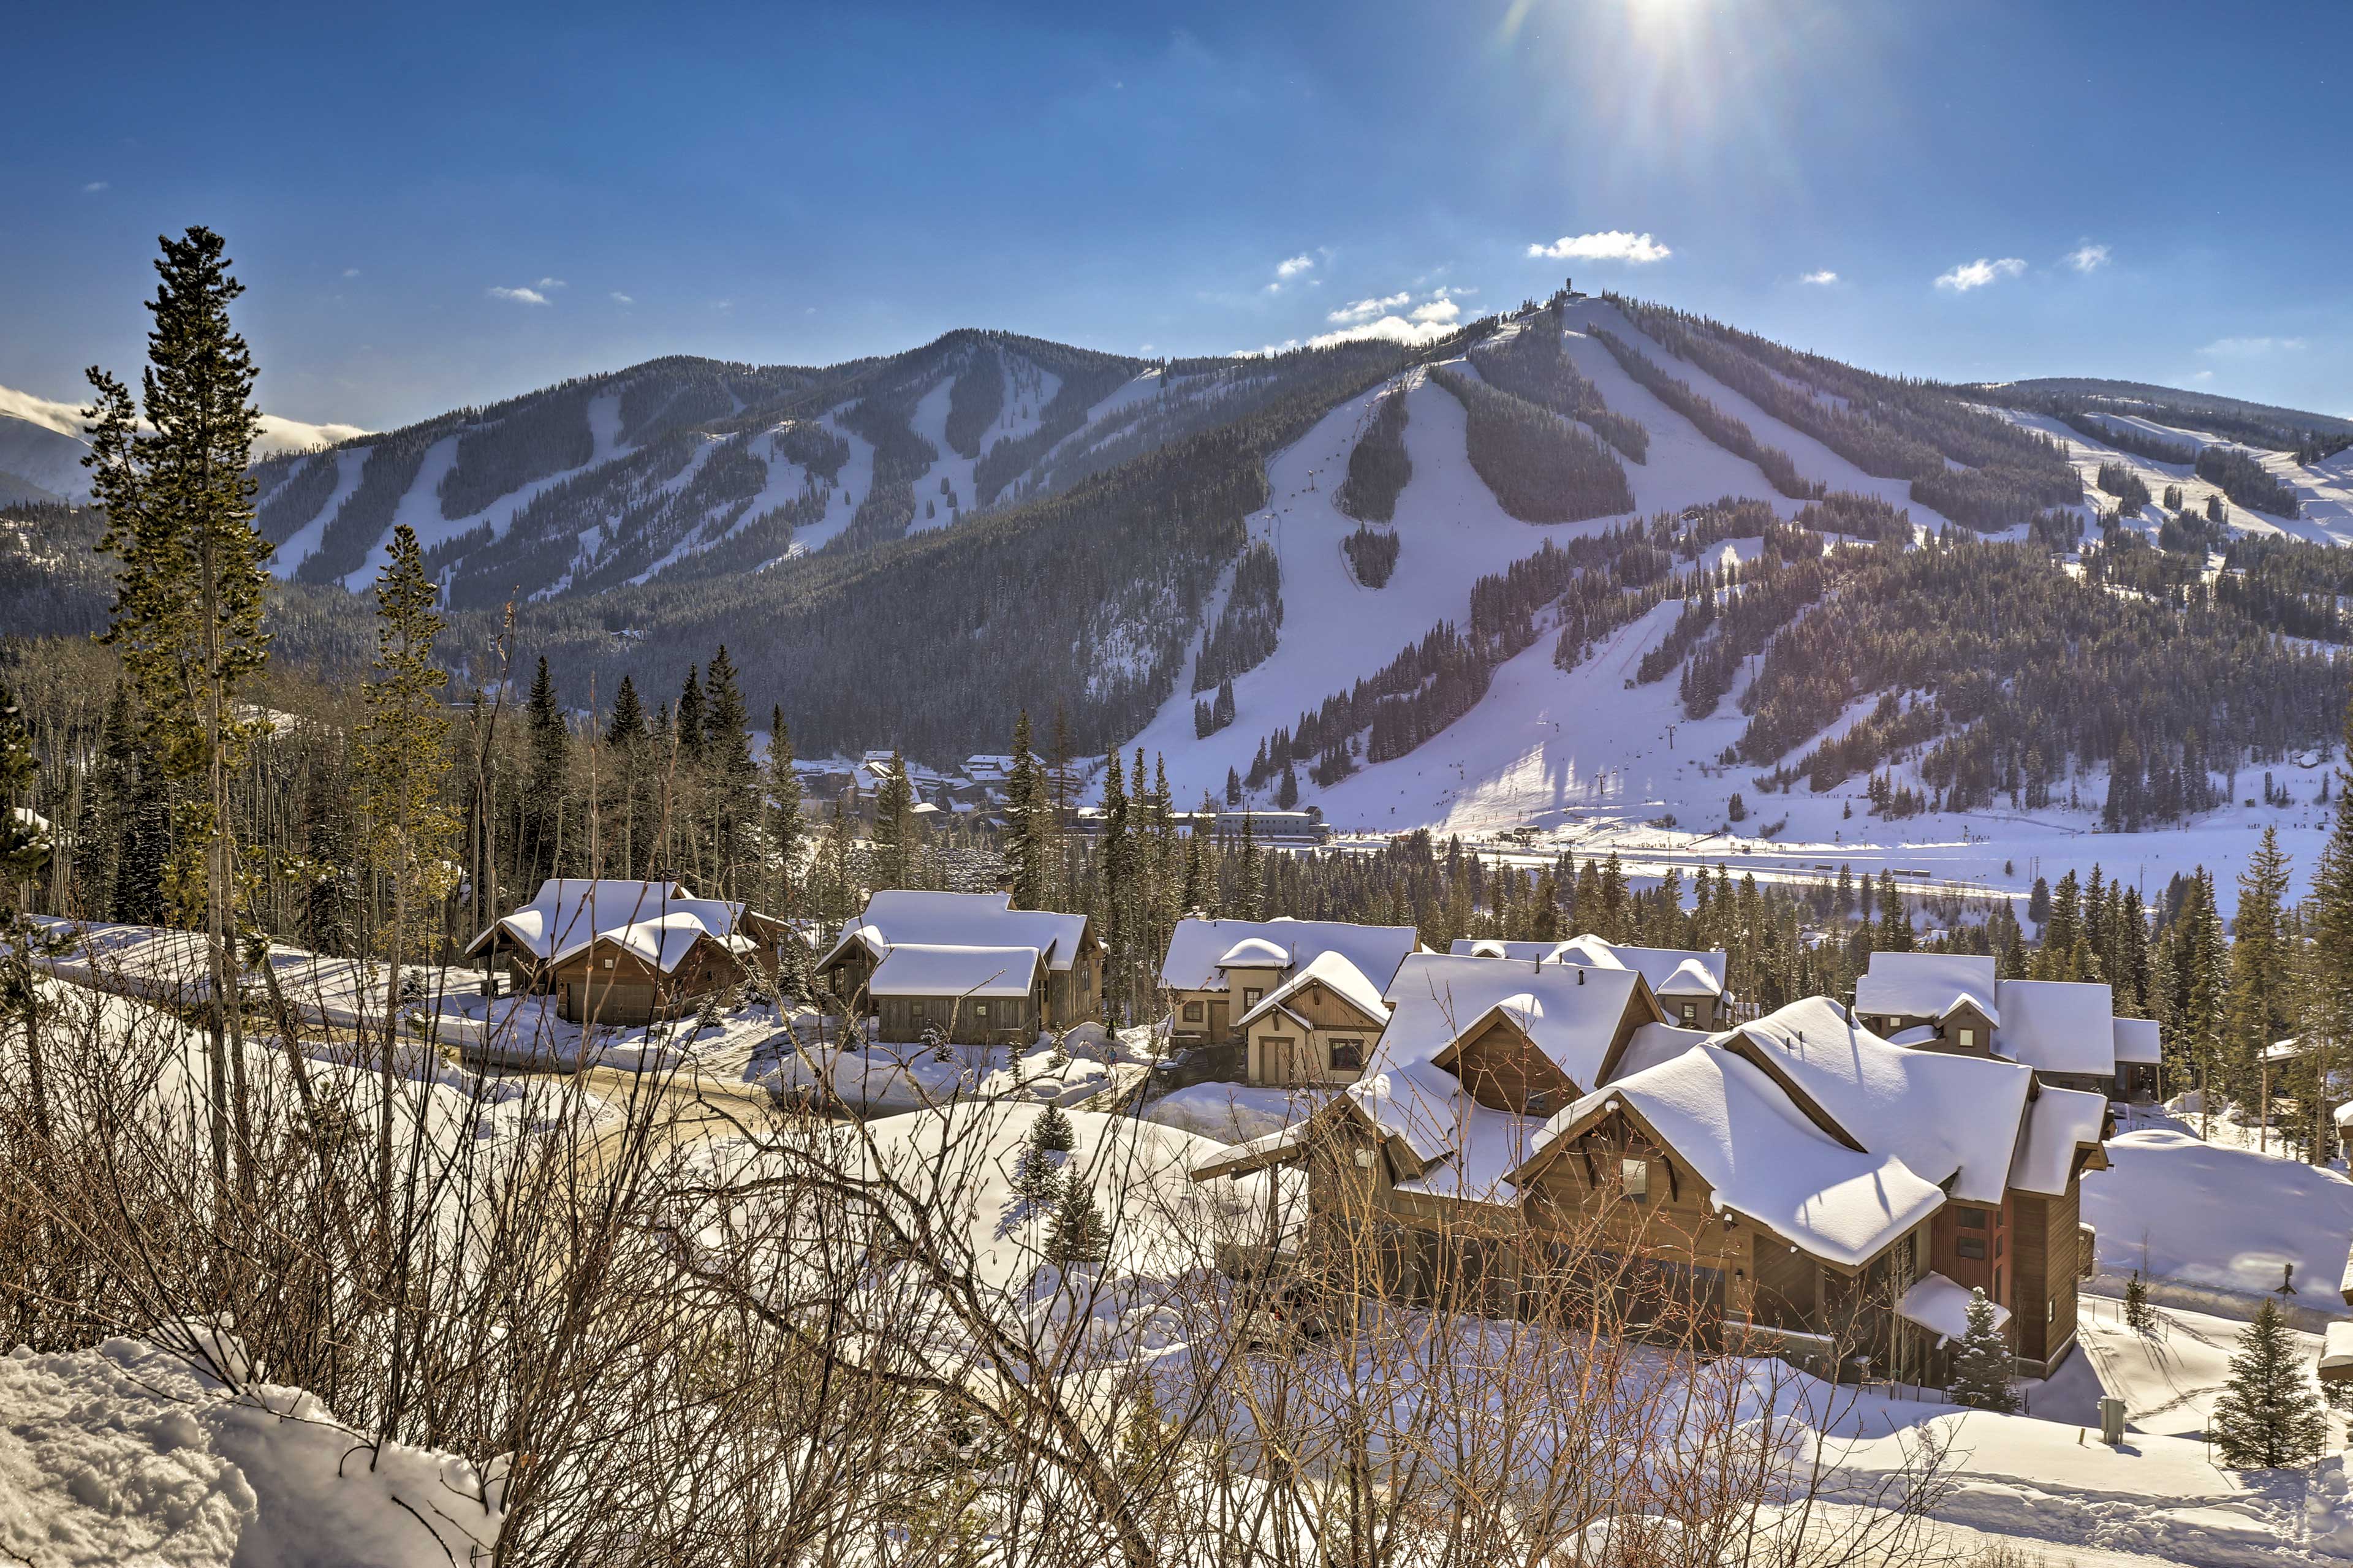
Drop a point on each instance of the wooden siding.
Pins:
(1504, 1071)
(2044, 1292)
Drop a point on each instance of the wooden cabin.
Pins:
(1217, 973)
(1798, 1185)
(1315, 1028)
(624, 952)
(1068, 957)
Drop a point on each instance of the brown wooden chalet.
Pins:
(964, 967)
(1798, 1184)
(625, 953)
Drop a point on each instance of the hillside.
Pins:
(1597, 568)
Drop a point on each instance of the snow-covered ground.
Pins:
(883, 1077)
(2209, 1223)
(127, 1453)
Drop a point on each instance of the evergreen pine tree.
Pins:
(1052, 1130)
(549, 742)
(1233, 787)
(1026, 806)
(1249, 890)
(2139, 1315)
(2256, 1010)
(731, 796)
(2268, 1416)
(1981, 1363)
(785, 822)
(187, 619)
(1078, 1234)
(894, 826)
(2329, 1019)
(628, 807)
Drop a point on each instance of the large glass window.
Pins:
(1347, 1055)
(1634, 1177)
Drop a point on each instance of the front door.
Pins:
(1280, 1059)
(1221, 1028)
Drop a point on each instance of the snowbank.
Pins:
(1232, 1112)
(2220, 1225)
(126, 1454)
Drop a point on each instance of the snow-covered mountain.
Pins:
(41, 446)
(1592, 574)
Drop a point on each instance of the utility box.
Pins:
(2112, 1421)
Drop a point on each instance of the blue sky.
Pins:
(435, 205)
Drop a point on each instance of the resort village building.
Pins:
(964, 967)
(1294, 1001)
(1689, 984)
(2066, 1031)
(1798, 1184)
(626, 951)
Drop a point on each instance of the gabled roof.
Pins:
(1332, 970)
(1942, 1307)
(1570, 1014)
(1922, 984)
(663, 943)
(1253, 951)
(1678, 971)
(1740, 1131)
(654, 920)
(1949, 1118)
(2058, 1122)
(897, 916)
(1195, 947)
(918, 969)
(2058, 1026)
(1980, 1006)
(2138, 1040)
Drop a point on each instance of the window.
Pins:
(1970, 1247)
(1192, 1012)
(1347, 1055)
(1893, 1023)
(1968, 1039)
(1997, 1282)
(1251, 996)
(1691, 1013)
(1973, 1219)
(1634, 1178)
(980, 1012)
(916, 1011)
(608, 964)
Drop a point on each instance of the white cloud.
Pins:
(2250, 348)
(1604, 245)
(1977, 274)
(1392, 329)
(92, 188)
(1437, 310)
(2088, 258)
(621, 299)
(2201, 375)
(519, 296)
(1294, 267)
(1366, 309)
(1442, 291)
(1143, 348)
(723, 304)
(351, 271)
(1821, 280)
(549, 283)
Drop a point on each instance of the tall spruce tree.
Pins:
(403, 765)
(731, 796)
(627, 805)
(2255, 1013)
(2268, 1416)
(548, 775)
(1024, 831)
(894, 827)
(188, 618)
(2330, 1016)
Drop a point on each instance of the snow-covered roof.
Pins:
(1681, 972)
(1763, 1158)
(1975, 1003)
(1922, 984)
(1654, 1043)
(663, 943)
(1423, 1106)
(2138, 1040)
(2336, 1347)
(2057, 1123)
(895, 917)
(1332, 970)
(922, 969)
(1252, 953)
(1943, 1115)
(2058, 1026)
(656, 921)
(1942, 1307)
(1197, 947)
(1571, 1015)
